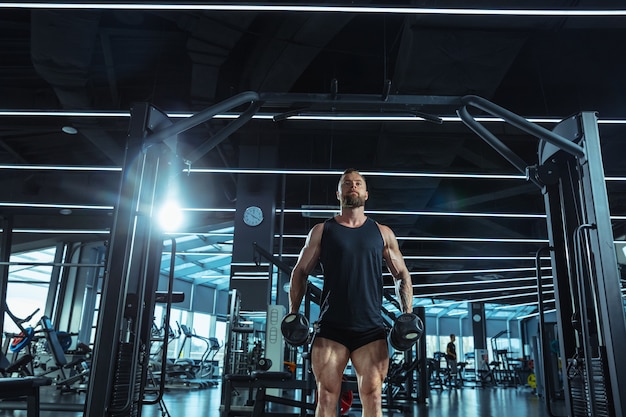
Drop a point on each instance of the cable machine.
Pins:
(591, 325)
(120, 361)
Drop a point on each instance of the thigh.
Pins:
(328, 361)
(371, 363)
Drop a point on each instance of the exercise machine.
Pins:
(40, 350)
(591, 325)
(150, 167)
(246, 389)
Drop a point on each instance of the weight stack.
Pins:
(125, 384)
(580, 389)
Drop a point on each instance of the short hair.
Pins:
(352, 171)
(452, 335)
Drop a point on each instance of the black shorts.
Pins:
(350, 338)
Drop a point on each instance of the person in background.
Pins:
(451, 359)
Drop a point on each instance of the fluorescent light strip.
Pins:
(356, 118)
(252, 7)
(271, 116)
(481, 282)
(481, 300)
(33, 265)
(215, 254)
(426, 213)
(474, 258)
(249, 278)
(245, 171)
(219, 210)
(252, 171)
(474, 271)
(337, 173)
(250, 274)
(449, 239)
(470, 239)
(56, 206)
(278, 211)
(504, 307)
(194, 234)
(62, 232)
(451, 258)
(62, 113)
(457, 214)
(535, 314)
(448, 293)
(61, 168)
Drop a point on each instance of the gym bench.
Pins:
(28, 387)
(261, 381)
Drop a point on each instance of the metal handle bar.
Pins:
(517, 121)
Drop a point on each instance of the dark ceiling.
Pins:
(323, 63)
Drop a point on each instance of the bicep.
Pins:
(393, 256)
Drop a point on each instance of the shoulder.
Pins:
(317, 229)
(385, 231)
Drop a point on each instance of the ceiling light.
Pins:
(252, 171)
(527, 316)
(271, 116)
(56, 206)
(62, 231)
(475, 291)
(59, 167)
(507, 297)
(252, 7)
(70, 130)
(471, 271)
(481, 282)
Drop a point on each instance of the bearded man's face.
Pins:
(352, 191)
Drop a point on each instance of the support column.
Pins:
(479, 330)
(254, 222)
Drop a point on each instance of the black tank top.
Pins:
(351, 260)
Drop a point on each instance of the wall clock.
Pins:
(253, 216)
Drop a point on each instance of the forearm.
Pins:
(404, 292)
(297, 289)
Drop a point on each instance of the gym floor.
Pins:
(479, 402)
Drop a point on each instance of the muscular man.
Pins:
(351, 248)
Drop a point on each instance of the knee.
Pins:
(372, 391)
(327, 396)
(371, 399)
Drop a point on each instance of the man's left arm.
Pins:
(397, 267)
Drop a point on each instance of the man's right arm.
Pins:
(308, 258)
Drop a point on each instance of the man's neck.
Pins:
(352, 216)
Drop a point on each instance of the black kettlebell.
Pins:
(295, 329)
(406, 331)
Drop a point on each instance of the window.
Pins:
(28, 285)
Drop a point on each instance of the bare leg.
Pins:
(371, 363)
(328, 361)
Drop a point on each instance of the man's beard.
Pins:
(352, 201)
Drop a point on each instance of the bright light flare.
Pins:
(170, 216)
